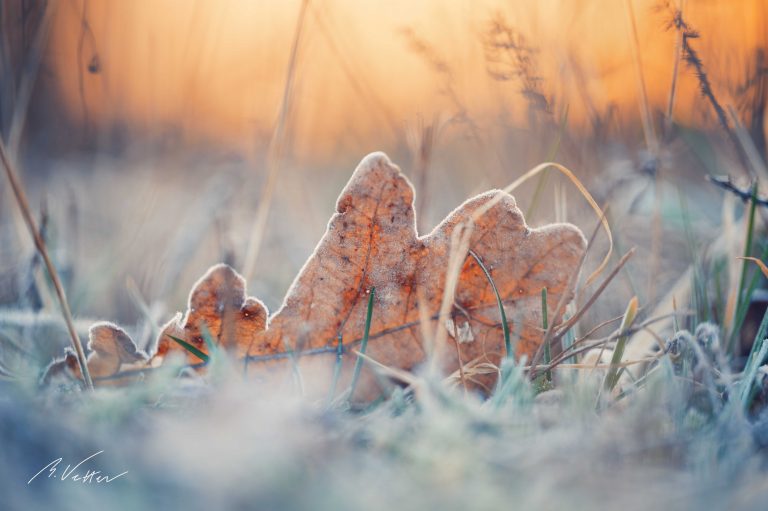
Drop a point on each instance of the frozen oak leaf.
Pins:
(371, 242)
(217, 307)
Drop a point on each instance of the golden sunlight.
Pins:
(215, 70)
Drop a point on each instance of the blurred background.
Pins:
(148, 133)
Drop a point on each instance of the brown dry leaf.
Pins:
(217, 302)
(111, 350)
(372, 241)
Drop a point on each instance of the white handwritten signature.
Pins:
(89, 477)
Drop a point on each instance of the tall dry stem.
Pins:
(21, 199)
(275, 152)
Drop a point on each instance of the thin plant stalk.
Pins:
(741, 314)
(545, 327)
(612, 377)
(458, 254)
(502, 313)
(576, 317)
(21, 103)
(571, 284)
(645, 110)
(756, 357)
(190, 348)
(741, 297)
(363, 345)
(551, 155)
(21, 199)
(336, 367)
(275, 153)
(669, 118)
(28, 78)
(458, 357)
(651, 141)
(694, 61)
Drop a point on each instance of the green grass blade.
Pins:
(756, 358)
(742, 300)
(504, 324)
(762, 331)
(545, 326)
(568, 340)
(363, 345)
(295, 370)
(748, 243)
(750, 372)
(613, 374)
(742, 309)
(184, 344)
(336, 368)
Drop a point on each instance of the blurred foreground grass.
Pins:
(222, 443)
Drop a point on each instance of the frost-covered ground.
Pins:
(223, 443)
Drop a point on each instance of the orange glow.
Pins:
(215, 69)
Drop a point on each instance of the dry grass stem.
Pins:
(275, 152)
(21, 199)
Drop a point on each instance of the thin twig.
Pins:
(557, 361)
(596, 328)
(576, 317)
(596, 366)
(21, 199)
(745, 194)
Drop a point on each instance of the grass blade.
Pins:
(612, 376)
(742, 300)
(750, 236)
(504, 324)
(363, 345)
(336, 368)
(275, 151)
(545, 327)
(747, 393)
(756, 358)
(187, 346)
